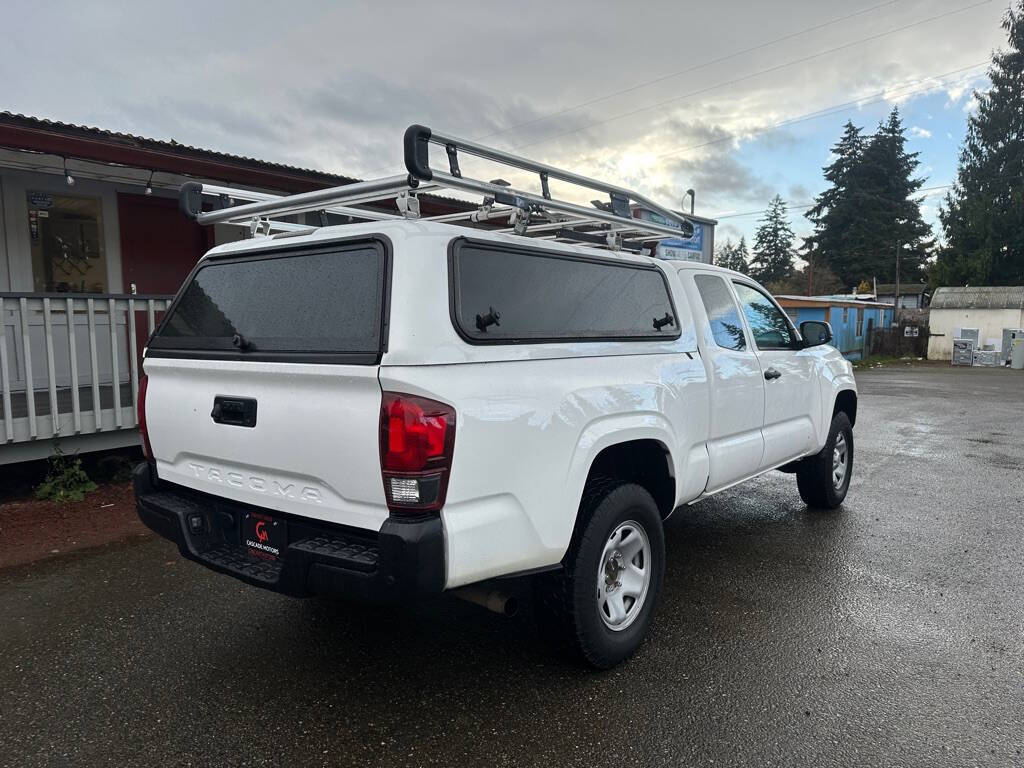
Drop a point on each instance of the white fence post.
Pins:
(51, 372)
(76, 406)
(94, 368)
(30, 393)
(5, 377)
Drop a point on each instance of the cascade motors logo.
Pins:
(250, 482)
(260, 544)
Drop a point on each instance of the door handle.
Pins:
(234, 411)
(771, 373)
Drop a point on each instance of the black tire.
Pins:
(814, 476)
(568, 601)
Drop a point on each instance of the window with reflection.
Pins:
(768, 324)
(726, 326)
(66, 242)
(506, 294)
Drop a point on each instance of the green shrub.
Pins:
(65, 479)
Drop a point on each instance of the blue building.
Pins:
(852, 320)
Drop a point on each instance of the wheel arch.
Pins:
(846, 402)
(645, 461)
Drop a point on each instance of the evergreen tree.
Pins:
(868, 214)
(898, 235)
(743, 256)
(839, 227)
(729, 256)
(983, 215)
(816, 278)
(724, 252)
(773, 245)
(813, 280)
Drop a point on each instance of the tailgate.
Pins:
(313, 450)
(262, 380)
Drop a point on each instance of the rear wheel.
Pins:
(824, 479)
(603, 602)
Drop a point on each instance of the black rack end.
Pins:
(190, 199)
(417, 152)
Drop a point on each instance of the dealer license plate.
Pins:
(264, 536)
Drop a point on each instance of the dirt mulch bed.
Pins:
(32, 530)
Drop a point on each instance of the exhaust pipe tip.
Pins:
(492, 599)
(511, 606)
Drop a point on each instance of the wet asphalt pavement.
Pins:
(888, 633)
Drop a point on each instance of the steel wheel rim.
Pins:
(623, 575)
(840, 461)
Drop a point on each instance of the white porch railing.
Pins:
(69, 366)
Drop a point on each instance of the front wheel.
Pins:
(824, 478)
(604, 601)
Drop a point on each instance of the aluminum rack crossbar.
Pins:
(527, 201)
(190, 200)
(527, 213)
(232, 194)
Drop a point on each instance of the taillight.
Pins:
(147, 449)
(417, 438)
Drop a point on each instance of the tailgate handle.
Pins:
(234, 411)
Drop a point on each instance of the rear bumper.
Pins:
(404, 560)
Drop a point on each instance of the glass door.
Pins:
(66, 235)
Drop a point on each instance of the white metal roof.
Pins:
(979, 297)
(844, 300)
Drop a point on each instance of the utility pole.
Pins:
(896, 305)
(811, 256)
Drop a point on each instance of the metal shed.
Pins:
(989, 309)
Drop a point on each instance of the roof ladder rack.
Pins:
(418, 139)
(606, 224)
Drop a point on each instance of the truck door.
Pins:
(791, 391)
(735, 441)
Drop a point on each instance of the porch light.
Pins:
(67, 176)
(149, 184)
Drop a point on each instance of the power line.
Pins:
(749, 76)
(804, 206)
(789, 207)
(687, 70)
(671, 75)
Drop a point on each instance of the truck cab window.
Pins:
(769, 325)
(723, 315)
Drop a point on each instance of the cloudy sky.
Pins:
(738, 100)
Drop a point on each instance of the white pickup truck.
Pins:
(402, 407)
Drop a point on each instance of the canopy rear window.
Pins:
(327, 303)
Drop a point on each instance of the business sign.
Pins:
(40, 200)
(693, 243)
(676, 248)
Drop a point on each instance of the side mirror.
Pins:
(815, 333)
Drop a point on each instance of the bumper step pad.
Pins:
(358, 557)
(238, 561)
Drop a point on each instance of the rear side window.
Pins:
(327, 302)
(507, 295)
(723, 314)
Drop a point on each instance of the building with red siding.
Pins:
(92, 246)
